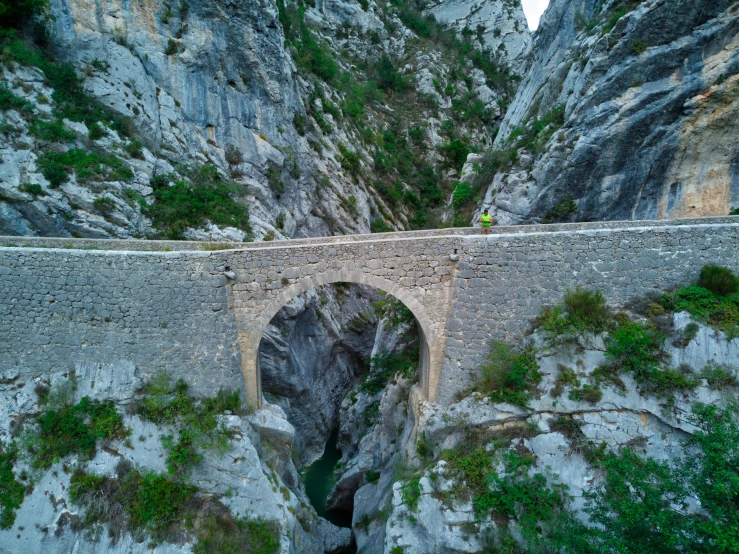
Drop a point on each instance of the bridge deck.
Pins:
(180, 246)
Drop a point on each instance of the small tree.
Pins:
(234, 158)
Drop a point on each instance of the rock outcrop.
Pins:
(647, 100)
(501, 25)
(655, 425)
(217, 83)
(253, 476)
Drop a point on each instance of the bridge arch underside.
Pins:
(253, 324)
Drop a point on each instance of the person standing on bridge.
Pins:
(486, 220)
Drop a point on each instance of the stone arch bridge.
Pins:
(199, 310)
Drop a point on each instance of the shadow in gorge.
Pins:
(326, 359)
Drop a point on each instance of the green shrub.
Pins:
(349, 160)
(172, 47)
(587, 310)
(639, 47)
(161, 507)
(588, 393)
(388, 77)
(637, 348)
(641, 504)
(154, 502)
(135, 149)
(105, 205)
(133, 198)
(299, 122)
(51, 131)
(96, 131)
(83, 484)
(534, 138)
(12, 491)
(405, 176)
(371, 414)
(32, 188)
(315, 56)
(386, 364)
(276, 184)
(164, 402)
(613, 19)
(719, 377)
(566, 377)
(537, 508)
(280, 220)
(455, 153)
(72, 102)
(718, 310)
(9, 101)
(372, 476)
(424, 447)
(103, 420)
(691, 331)
(636, 506)
(509, 376)
(582, 311)
(57, 167)
(410, 493)
(224, 535)
(718, 279)
(470, 108)
(183, 454)
(66, 429)
(714, 475)
(563, 211)
(462, 195)
(472, 467)
(206, 197)
(379, 226)
(395, 314)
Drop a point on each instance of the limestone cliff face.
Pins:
(200, 77)
(650, 105)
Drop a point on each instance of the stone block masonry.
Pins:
(200, 315)
(167, 312)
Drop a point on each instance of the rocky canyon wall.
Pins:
(628, 111)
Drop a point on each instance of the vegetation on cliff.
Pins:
(164, 509)
(637, 503)
(195, 196)
(149, 505)
(379, 104)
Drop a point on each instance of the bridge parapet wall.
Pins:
(59, 308)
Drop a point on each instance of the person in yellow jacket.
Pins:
(486, 220)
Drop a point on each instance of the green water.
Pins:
(319, 479)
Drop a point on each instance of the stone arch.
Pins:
(249, 340)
